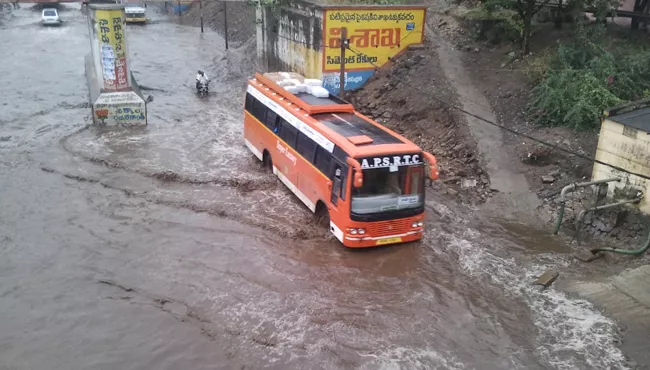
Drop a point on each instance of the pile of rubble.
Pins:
(390, 99)
(623, 226)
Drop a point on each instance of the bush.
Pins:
(586, 77)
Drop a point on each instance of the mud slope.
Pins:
(391, 98)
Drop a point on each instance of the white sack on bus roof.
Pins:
(319, 92)
(313, 82)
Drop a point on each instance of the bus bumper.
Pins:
(359, 241)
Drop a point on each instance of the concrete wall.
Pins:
(291, 39)
(304, 37)
(630, 151)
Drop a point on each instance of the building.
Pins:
(624, 142)
(305, 37)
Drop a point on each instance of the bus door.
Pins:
(414, 180)
(339, 176)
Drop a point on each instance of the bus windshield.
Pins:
(389, 189)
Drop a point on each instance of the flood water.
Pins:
(167, 247)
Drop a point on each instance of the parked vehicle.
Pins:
(50, 17)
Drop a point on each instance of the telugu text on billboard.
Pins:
(112, 50)
(375, 35)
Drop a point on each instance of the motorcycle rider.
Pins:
(201, 78)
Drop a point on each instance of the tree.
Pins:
(527, 10)
(640, 7)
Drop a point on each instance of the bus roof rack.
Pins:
(307, 102)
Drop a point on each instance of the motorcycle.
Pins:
(202, 88)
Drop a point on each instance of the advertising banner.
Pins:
(120, 108)
(112, 49)
(376, 35)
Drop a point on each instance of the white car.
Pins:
(50, 17)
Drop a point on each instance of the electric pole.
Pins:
(345, 43)
(201, 10)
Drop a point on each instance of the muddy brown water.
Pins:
(167, 247)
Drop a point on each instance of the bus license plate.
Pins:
(388, 241)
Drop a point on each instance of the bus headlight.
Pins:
(414, 225)
(420, 224)
(353, 231)
(362, 231)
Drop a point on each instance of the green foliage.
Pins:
(494, 22)
(587, 76)
(376, 2)
(493, 6)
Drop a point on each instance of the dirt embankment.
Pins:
(391, 99)
(507, 84)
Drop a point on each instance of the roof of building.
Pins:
(639, 119)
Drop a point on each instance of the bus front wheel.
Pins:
(322, 215)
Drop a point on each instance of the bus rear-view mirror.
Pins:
(434, 173)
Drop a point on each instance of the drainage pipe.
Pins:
(573, 187)
(629, 252)
(584, 212)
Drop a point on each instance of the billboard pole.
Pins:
(344, 45)
(114, 95)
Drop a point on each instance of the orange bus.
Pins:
(365, 180)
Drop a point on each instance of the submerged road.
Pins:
(167, 247)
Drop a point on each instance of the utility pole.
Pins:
(179, 12)
(201, 10)
(225, 22)
(345, 43)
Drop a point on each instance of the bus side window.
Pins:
(288, 133)
(249, 103)
(306, 147)
(271, 120)
(322, 161)
(259, 110)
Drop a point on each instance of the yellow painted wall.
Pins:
(376, 34)
(306, 61)
(632, 154)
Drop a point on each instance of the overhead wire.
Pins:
(485, 120)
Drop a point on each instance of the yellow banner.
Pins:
(375, 34)
(112, 50)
